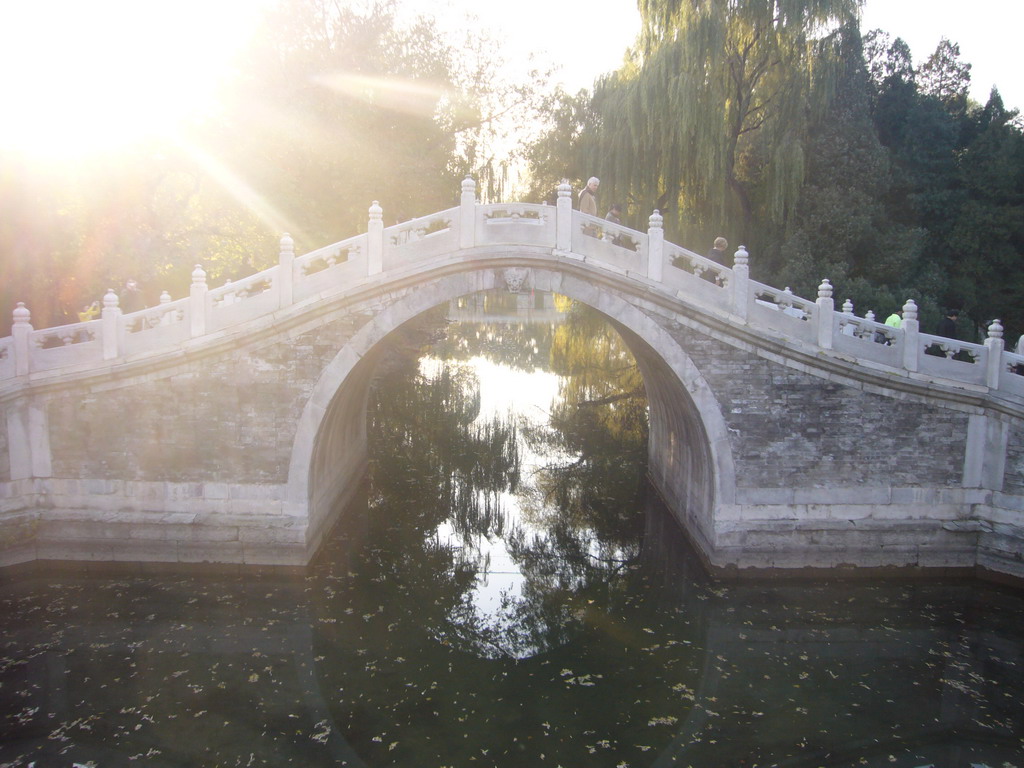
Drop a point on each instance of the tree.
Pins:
(840, 227)
(987, 235)
(945, 77)
(707, 122)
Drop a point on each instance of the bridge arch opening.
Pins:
(689, 459)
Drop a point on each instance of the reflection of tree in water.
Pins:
(430, 460)
(435, 464)
(582, 509)
(596, 436)
(524, 346)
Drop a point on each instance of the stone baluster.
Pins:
(740, 282)
(846, 327)
(563, 218)
(21, 330)
(197, 302)
(826, 312)
(166, 318)
(285, 271)
(467, 214)
(911, 337)
(113, 330)
(655, 247)
(867, 332)
(375, 240)
(995, 345)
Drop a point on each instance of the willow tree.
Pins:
(706, 123)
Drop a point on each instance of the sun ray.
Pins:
(416, 97)
(241, 191)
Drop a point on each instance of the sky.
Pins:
(74, 77)
(587, 43)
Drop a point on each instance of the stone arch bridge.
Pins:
(227, 426)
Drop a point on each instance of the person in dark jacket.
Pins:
(717, 252)
(947, 325)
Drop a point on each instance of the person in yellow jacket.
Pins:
(89, 312)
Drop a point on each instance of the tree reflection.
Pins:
(561, 498)
(596, 438)
(431, 459)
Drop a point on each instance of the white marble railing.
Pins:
(415, 245)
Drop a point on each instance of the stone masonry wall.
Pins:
(1013, 478)
(230, 417)
(794, 430)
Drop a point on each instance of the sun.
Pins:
(80, 77)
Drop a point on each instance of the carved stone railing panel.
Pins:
(155, 317)
(700, 267)
(334, 266)
(66, 345)
(243, 300)
(952, 359)
(420, 239)
(1012, 378)
(592, 238)
(520, 224)
(782, 311)
(867, 340)
(64, 335)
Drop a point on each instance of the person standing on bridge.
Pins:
(895, 320)
(717, 252)
(131, 299)
(588, 196)
(947, 325)
(588, 204)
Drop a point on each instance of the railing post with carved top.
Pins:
(467, 214)
(197, 302)
(826, 310)
(655, 247)
(911, 337)
(740, 281)
(375, 240)
(995, 345)
(285, 271)
(21, 330)
(563, 218)
(28, 446)
(111, 327)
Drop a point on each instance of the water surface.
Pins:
(506, 592)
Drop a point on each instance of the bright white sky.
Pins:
(588, 38)
(79, 75)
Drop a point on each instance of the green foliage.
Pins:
(706, 123)
(840, 227)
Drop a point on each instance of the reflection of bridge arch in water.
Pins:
(689, 454)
